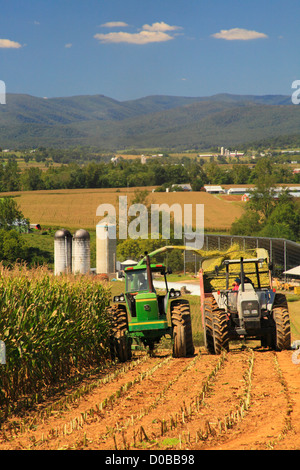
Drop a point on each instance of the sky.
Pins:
(128, 49)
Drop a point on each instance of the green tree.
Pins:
(11, 176)
(10, 213)
(280, 219)
(32, 179)
(240, 174)
(262, 196)
(248, 224)
(215, 174)
(13, 247)
(284, 221)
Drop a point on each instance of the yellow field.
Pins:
(76, 208)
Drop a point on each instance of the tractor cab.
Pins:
(150, 314)
(141, 297)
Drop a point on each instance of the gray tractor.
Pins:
(252, 311)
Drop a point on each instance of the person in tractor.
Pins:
(236, 284)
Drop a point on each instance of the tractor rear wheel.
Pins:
(215, 327)
(183, 345)
(120, 343)
(282, 335)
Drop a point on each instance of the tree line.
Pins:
(267, 215)
(161, 172)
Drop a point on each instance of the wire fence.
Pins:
(284, 254)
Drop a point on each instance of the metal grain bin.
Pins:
(62, 252)
(81, 262)
(106, 248)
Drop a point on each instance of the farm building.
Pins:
(237, 190)
(292, 191)
(185, 187)
(214, 189)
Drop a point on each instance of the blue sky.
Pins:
(127, 49)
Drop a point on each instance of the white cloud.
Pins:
(160, 27)
(157, 32)
(67, 46)
(239, 34)
(114, 24)
(8, 44)
(144, 37)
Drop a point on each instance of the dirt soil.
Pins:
(246, 399)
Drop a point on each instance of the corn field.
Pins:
(52, 327)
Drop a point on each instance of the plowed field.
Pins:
(245, 399)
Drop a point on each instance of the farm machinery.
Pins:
(252, 311)
(141, 315)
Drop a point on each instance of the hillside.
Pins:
(154, 121)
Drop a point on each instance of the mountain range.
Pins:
(166, 122)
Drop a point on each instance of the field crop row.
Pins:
(51, 327)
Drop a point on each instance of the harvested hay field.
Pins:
(77, 207)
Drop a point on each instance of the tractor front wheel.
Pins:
(120, 343)
(282, 336)
(183, 345)
(216, 328)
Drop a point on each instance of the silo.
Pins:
(106, 248)
(62, 252)
(81, 260)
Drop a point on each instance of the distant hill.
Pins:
(170, 122)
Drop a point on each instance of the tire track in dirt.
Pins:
(165, 379)
(245, 399)
(142, 401)
(224, 394)
(290, 440)
(107, 387)
(267, 420)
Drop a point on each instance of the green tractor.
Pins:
(142, 316)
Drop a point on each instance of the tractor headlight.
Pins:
(119, 298)
(250, 308)
(174, 293)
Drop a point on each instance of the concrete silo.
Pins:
(106, 248)
(81, 260)
(62, 252)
